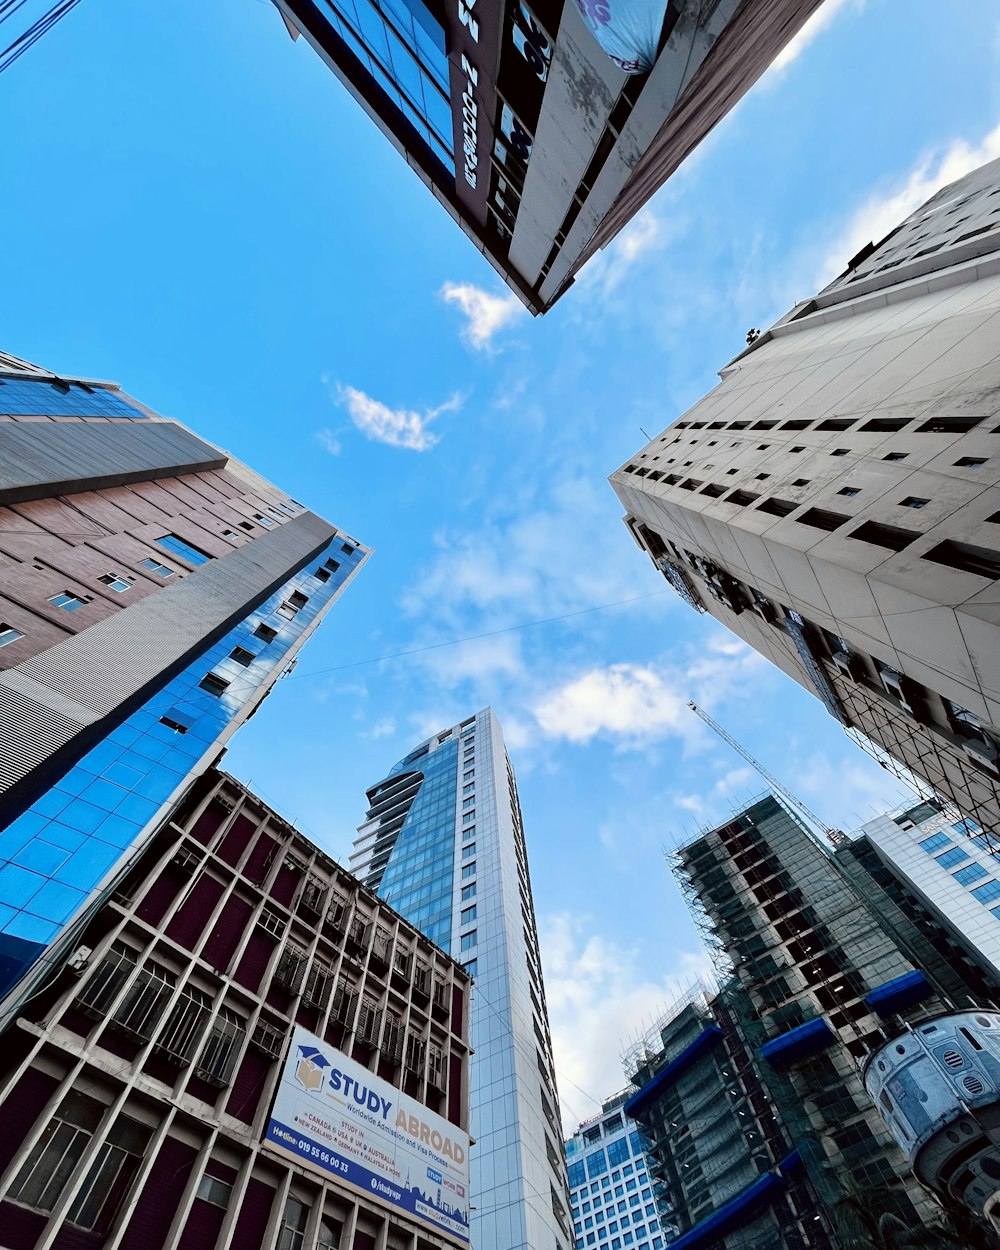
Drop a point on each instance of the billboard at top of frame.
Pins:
(335, 1117)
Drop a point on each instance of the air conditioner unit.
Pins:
(850, 665)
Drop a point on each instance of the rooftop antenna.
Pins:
(836, 837)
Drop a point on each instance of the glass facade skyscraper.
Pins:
(443, 842)
(154, 590)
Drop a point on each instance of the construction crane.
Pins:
(834, 836)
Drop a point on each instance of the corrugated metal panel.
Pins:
(39, 459)
(109, 664)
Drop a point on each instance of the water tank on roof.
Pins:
(937, 1086)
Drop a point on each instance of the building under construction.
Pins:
(752, 1097)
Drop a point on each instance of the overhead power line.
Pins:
(490, 633)
(17, 48)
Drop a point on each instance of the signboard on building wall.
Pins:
(336, 1118)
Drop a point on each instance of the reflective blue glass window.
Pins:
(8, 634)
(935, 842)
(179, 547)
(468, 940)
(24, 397)
(154, 566)
(950, 858)
(988, 892)
(617, 1152)
(577, 1174)
(69, 602)
(967, 826)
(972, 872)
(597, 1164)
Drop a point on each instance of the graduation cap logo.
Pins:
(310, 1069)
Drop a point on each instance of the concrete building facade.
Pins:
(444, 844)
(153, 590)
(542, 129)
(136, 1085)
(611, 1189)
(835, 501)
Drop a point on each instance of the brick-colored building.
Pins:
(137, 1084)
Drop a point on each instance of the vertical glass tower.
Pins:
(152, 591)
(443, 842)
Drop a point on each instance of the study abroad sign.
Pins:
(336, 1118)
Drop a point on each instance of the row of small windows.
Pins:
(959, 424)
(986, 893)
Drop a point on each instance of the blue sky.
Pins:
(195, 208)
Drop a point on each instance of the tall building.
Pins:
(611, 1190)
(831, 968)
(543, 129)
(154, 589)
(722, 1157)
(835, 500)
(443, 843)
(247, 1049)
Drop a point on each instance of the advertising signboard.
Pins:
(335, 1117)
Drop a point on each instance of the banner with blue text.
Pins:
(334, 1116)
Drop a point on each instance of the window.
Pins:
(52, 1163)
(896, 455)
(849, 491)
(265, 633)
(245, 525)
(891, 537)
(8, 634)
(214, 684)
(468, 870)
(172, 722)
(68, 601)
(803, 481)
(988, 892)
(970, 462)
(214, 1191)
(298, 600)
(911, 501)
(230, 534)
(472, 967)
(935, 842)
(469, 940)
(469, 788)
(972, 872)
(292, 1231)
(742, 498)
(966, 558)
(193, 555)
(820, 519)
(468, 891)
(841, 451)
(154, 566)
(185, 1025)
(884, 425)
(324, 572)
(777, 507)
(795, 450)
(242, 656)
(140, 1010)
(222, 1049)
(263, 520)
(469, 851)
(115, 581)
(468, 914)
(950, 858)
(618, 1152)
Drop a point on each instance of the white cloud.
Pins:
(628, 701)
(598, 999)
(326, 438)
(638, 704)
(643, 236)
(888, 206)
(384, 728)
(397, 427)
(486, 314)
(823, 17)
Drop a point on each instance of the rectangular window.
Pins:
(185, 1025)
(970, 462)
(68, 601)
(173, 723)
(950, 858)
(469, 788)
(468, 870)
(468, 914)
(913, 501)
(214, 684)
(966, 558)
(891, 537)
(263, 520)
(469, 940)
(8, 634)
(849, 491)
(222, 1049)
(140, 1010)
(778, 507)
(242, 656)
(472, 967)
(214, 1191)
(467, 803)
(988, 892)
(821, 519)
(469, 851)
(115, 581)
(896, 455)
(265, 633)
(935, 842)
(292, 1231)
(176, 544)
(468, 891)
(972, 872)
(154, 566)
